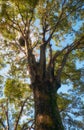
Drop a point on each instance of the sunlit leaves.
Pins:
(14, 89)
(20, 18)
(52, 14)
(62, 103)
(14, 16)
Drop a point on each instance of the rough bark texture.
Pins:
(44, 85)
(47, 115)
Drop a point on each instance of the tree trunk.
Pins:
(47, 115)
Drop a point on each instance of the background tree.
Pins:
(42, 26)
(15, 106)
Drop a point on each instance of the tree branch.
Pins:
(18, 28)
(48, 40)
(69, 48)
(7, 116)
(12, 26)
(1, 122)
(19, 47)
(50, 68)
(63, 3)
(60, 19)
(17, 4)
(25, 124)
(43, 60)
(73, 46)
(20, 113)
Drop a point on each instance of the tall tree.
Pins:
(35, 25)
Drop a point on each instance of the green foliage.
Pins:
(63, 102)
(14, 14)
(9, 111)
(15, 90)
(2, 63)
(1, 79)
(20, 18)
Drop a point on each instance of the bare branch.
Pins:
(20, 113)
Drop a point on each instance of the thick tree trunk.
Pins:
(47, 115)
(44, 85)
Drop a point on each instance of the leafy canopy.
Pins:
(37, 21)
(49, 21)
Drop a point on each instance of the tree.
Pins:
(55, 20)
(15, 105)
(74, 111)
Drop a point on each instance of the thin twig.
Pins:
(7, 116)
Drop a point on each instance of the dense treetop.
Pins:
(26, 25)
(49, 21)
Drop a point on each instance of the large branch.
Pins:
(60, 19)
(68, 50)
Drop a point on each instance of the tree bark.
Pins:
(47, 115)
(44, 85)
